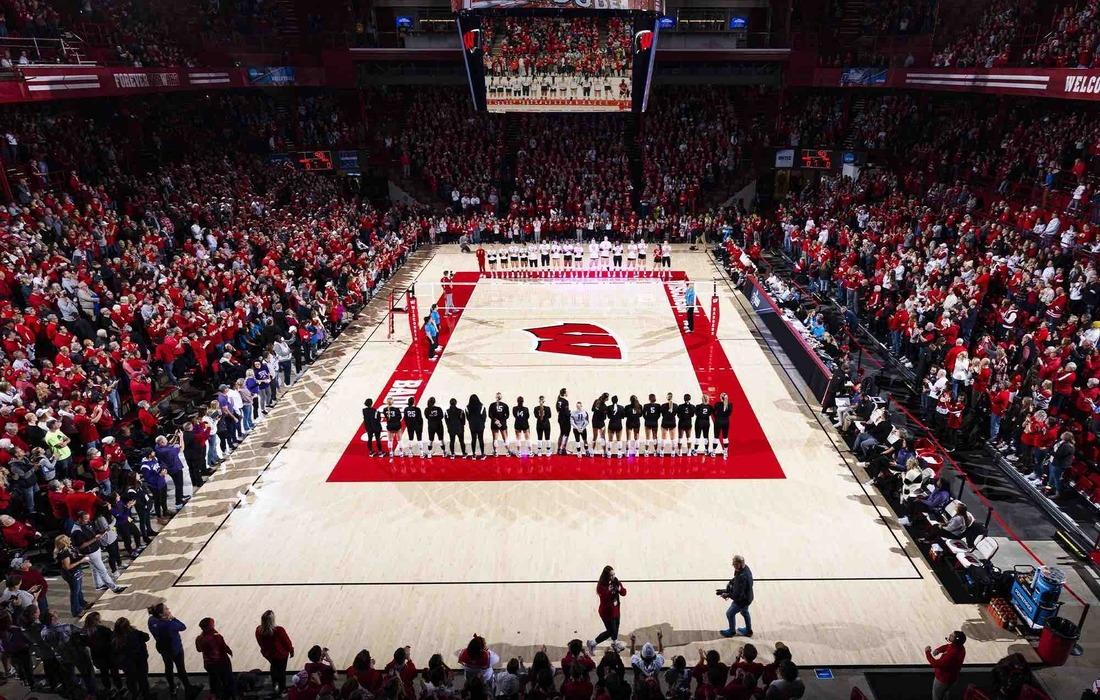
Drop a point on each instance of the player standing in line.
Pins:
(434, 416)
(641, 254)
(513, 257)
(632, 256)
(633, 425)
(392, 414)
(578, 419)
(372, 429)
(475, 416)
(617, 255)
(722, 411)
(656, 256)
(456, 427)
(685, 412)
(542, 427)
(532, 255)
(668, 426)
(651, 416)
(703, 413)
(555, 254)
(561, 406)
(544, 254)
(615, 415)
(578, 255)
(599, 422)
(567, 254)
(498, 424)
(666, 256)
(593, 254)
(492, 258)
(605, 254)
(522, 416)
(414, 427)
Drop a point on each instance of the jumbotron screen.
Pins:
(533, 59)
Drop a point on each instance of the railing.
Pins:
(45, 51)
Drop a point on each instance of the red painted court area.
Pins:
(750, 456)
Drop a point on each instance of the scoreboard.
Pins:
(558, 55)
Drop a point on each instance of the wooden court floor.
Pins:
(380, 563)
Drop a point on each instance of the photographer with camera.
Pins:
(739, 592)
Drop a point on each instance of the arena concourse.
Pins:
(535, 351)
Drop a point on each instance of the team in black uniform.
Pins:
(685, 428)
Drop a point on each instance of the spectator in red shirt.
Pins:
(610, 590)
(276, 647)
(946, 662)
(217, 659)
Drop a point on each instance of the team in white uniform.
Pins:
(597, 255)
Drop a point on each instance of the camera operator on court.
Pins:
(739, 592)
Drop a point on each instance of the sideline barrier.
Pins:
(813, 371)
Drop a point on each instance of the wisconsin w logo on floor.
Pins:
(585, 339)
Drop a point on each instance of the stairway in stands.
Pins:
(507, 181)
(289, 27)
(859, 104)
(850, 26)
(632, 144)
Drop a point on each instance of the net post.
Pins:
(389, 317)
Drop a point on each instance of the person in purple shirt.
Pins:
(168, 454)
(165, 629)
(153, 473)
(933, 503)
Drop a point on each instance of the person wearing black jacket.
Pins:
(739, 592)
(434, 416)
(372, 429)
(414, 426)
(132, 657)
(475, 415)
(498, 424)
(194, 453)
(456, 426)
(542, 427)
(98, 639)
(722, 411)
(1060, 459)
(703, 412)
(561, 407)
(685, 413)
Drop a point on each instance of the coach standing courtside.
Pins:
(739, 593)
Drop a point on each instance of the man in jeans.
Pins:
(739, 593)
(88, 542)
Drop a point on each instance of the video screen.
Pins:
(557, 63)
